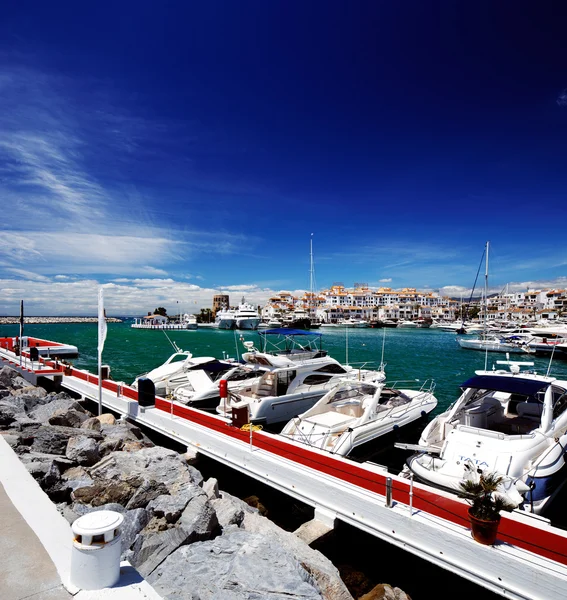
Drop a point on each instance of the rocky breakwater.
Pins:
(186, 537)
(55, 320)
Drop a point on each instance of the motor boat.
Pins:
(296, 344)
(225, 319)
(408, 325)
(507, 421)
(350, 322)
(190, 321)
(289, 387)
(246, 316)
(515, 343)
(180, 368)
(356, 412)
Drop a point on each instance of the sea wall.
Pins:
(54, 320)
(185, 536)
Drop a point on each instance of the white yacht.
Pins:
(246, 316)
(225, 319)
(289, 387)
(179, 369)
(356, 412)
(511, 422)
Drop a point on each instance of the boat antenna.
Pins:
(550, 361)
(383, 344)
(346, 343)
(175, 346)
(236, 345)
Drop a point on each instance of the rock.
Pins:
(211, 488)
(13, 439)
(198, 521)
(118, 437)
(230, 510)
(92, 424)
(107, 419)
(168, 507)
(146, 491)
(53, 439)
(104, 492)
(151, 549)
(7, 374)
(82, 450)
(57, 406)
(77, 477)
(384, 591)
(68, 418)
(8, 414)
(238, 566)
(326, 574)
(154, 464)
(199, 517)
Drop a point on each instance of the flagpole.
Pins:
(101, 338)
(21, 328)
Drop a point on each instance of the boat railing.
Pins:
(426, 386)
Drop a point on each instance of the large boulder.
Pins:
(53, 439)
(325, 573)
(198, 521)
(154, 464)
(238, 565)
(83, 450)
(58, 405)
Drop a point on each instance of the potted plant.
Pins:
(481, 491)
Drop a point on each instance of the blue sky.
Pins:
(173, 150)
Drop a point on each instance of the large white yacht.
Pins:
(287, 388)
(246, 316)
(511, 422)
(226, 319)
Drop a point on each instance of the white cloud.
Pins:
(385, 280)
(562, 98)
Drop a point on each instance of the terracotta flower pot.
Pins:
(484, 532)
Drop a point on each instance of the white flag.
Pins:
(101, 323)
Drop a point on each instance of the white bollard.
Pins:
(95, 558)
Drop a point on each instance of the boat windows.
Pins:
(284, 379)
(242, 375)
(317, 379)
(559, 402)
(331, 368)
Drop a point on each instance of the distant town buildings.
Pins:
(361, 302)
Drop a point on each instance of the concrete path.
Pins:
(26, 569)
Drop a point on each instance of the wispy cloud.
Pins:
(562, 98)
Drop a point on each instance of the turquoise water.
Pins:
(412, 355)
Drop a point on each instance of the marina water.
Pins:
(412, 356)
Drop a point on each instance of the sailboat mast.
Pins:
(486, 304)
(311, 277)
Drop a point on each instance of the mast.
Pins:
(311, 277)
(486, 304)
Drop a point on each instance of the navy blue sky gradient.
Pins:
(194, 147)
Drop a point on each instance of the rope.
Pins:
(249, 426)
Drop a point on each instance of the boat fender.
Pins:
(423, 413)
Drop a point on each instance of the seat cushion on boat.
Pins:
(529, 409)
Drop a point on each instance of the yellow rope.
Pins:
(248, 426)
